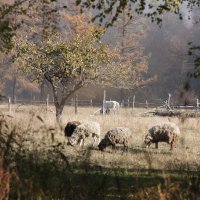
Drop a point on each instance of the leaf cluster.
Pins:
(10, 22)
(194, 51)
(152, 9)
(58, 60)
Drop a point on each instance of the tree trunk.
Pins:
(59, 110)
(42, 90)
(121, 96)
(14, 88)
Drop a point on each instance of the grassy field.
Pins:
(50, 169)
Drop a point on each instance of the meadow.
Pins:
(37, 163)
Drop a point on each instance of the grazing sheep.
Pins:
(119, 135)
(70, 127)
(89, 129)
(166, 132)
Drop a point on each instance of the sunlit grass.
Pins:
(45, 167)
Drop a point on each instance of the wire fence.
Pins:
(84, 103)
(75, 102)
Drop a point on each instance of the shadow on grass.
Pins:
(56, 178)
(131, 150)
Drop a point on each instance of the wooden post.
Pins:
(197, 104)
(76, 103)
(14, 100)
(9, 105)
(72, 101)
(34, 99)
(47, 103)
(91, 103)
(134, 101)
(168, 102)
(122, 104)
(146, 104)
(104, 101)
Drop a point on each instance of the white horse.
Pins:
(111, 106)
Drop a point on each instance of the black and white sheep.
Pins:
(119, 135)
(70, 127)
(85, 130)
(167, 132)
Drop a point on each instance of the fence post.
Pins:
(197, 104)
(146, 104)
(122, 103)
(14, 100)
(34, 100)
(91, 103)
(47, 103)
(72, 101)
(76, 103)
(104, 100)
(134, 101)
(168, 102)
(9, 105)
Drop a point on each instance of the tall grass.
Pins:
(38, 164)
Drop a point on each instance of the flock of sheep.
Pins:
(76, 133)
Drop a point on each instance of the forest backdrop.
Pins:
(161, 52)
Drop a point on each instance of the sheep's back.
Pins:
(164, 132)
(118, 135)
(88, 128)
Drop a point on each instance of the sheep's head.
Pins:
(70, 127)
(148, 140)
(102, 145)
(73, 141)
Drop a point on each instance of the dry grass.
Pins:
(50, 169)
(185, 155)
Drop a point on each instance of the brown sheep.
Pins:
(166, 132)
(119, 135)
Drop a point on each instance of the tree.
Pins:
(128, 34)
(194, 51)
(8, 22)
(109, 11)
(66, 65)
(12, 81)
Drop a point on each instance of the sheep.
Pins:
(119, 135)
(70, 127)
(88, 129)
(167, 132)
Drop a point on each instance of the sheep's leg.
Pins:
(96, 139)
(125, 148)
(156, 145)
(81, 143)
(171, 146)
(113, 147)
